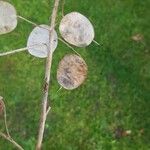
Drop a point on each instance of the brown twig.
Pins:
(47, 79)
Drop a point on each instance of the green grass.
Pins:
(116, 92)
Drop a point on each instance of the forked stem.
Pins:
(11, 141)
(47, 78)
(7, 136)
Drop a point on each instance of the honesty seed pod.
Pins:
(38, 41)
(71, 72)
(76, 29)
(8, 17)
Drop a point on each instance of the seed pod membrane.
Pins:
(71, 72)
(76, 29)
(8, 17)
(38, 41)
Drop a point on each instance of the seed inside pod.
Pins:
(71, 72)
(76, 29)
(8, 17)
(38, 41)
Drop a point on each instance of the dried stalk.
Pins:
(96, 42)
(68, 46)
(11, 140)
(47, 79)
(31, 22)
(63, 4)
(19, 50)
(7, 136)
(13, 51)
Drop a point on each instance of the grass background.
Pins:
(115, 95)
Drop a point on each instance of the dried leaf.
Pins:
(38, 41)
(137, 37)
(76, 29)
(71, 72)
(8, 17)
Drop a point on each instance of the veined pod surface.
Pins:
(8, 17)
(39, 40)
(76, 29)
(72, 71)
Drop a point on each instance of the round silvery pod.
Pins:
(76, 29)
(38, 41)
(8, 17)
(71, 72)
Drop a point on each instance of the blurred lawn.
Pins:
(115, 96)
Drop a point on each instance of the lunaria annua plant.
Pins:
(75, 29)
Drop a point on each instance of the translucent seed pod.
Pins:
(8, 17)
(71, 72)
(38, 41)
(76, 29)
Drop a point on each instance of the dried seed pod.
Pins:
(38, 41)
(76, 29)
(71, 72)
(8, 17)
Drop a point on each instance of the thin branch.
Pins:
(11, 140)
(49, 108)
(63, 4)
(68, 46)
(20, 49)
(13, 51)
(8, 137)
(96, 42)
(47, 78)
(5, 119)
(33, 23)
(59, 89)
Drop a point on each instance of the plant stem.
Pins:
(7, 136)
(20, 49)
(31, 22)
(13, 51)
(11, 140)
(47, 78)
